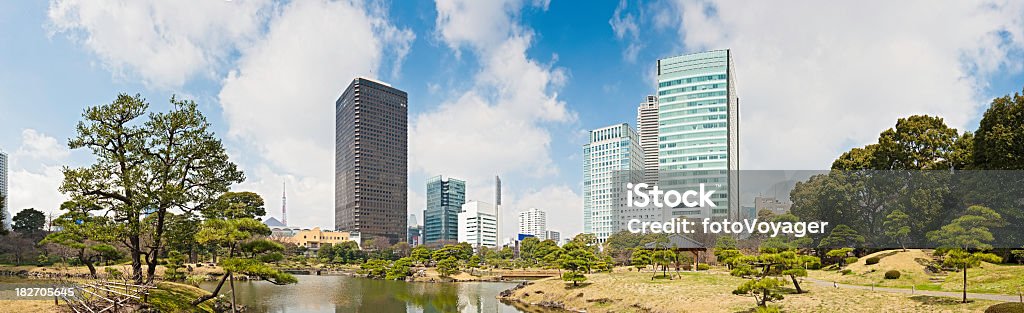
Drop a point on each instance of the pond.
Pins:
(361, 295)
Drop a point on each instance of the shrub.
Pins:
(851, 260)
(846, 272)
(703, 267)
(1009, 307)
(892, 274)
(767, 309)
(872, 260)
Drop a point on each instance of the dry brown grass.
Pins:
(711, 292)
(911, 272)
(27, 306)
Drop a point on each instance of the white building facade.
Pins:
(4, 190)
(478, 224)
(611, 159)
(698, 130)
(533, 222)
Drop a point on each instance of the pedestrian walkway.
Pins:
(958, 295)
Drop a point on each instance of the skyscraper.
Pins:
(698, 133)
(533, 222)
(371, 160)
(611, 158)
(3, 191)
(647, 130)
(478, 224)
(445, 197)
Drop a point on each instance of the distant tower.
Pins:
(497, 208)
(284, 203)
(497, 190)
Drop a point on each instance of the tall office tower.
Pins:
(611, 159)
(371, 160)
(478, 224)
(445, 197)
(533, 222)
(3, 190)
(698, 113)
(647, 129)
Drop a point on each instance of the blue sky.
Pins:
(495, 87)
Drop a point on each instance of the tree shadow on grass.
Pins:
(580, 285)
(932, 300)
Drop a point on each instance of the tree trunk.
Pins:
(136, 259)
(212, 294)
(965, 283)
(796, 284)
(234, 307)
(154, 253)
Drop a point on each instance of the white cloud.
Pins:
(164, 43)
(626, 27)
(564, 208)
(35, 173)
(499, 125)
(279, 102)
(816, 77)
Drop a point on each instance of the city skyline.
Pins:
(513, 93)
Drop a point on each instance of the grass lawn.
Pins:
(989, 278)
(174, 297)
(712, 292)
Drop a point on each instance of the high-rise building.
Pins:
(698, 132)
(647, 130)
(371, 160)
(445, 197)
(533, 222)
(3, 190)
(478, 224)
(611, 159)
(553, 235)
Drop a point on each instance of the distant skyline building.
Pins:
(698, 132)
(284, 203)
(4, 190)
(371, 160)
(647, 130)
(553, 235)
(611, 158)
(445, 197)
(533, 222)
(478, 224)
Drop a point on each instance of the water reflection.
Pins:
(359, 295)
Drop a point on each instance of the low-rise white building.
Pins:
(478, 224)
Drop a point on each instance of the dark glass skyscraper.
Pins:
(445, 197)
(371, 160)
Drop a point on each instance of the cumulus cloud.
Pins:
(564, 208)
(35, 173)
(499, 124)
(279, 102)
(164, 43)
(815, 78)
(626, 27)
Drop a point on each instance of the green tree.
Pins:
(663, 258)
(421, 254)
(28, 221)
(897, 227)
(727, 256)
(641, 258)
(969, 231)
(91, 237)
(229, 205)
(763, 290)
(841, 236)
(788, 263)
(175, 261)
(3, 214)
(963, 260)
(577, 259)
(448, 266)
(148, 166)
(243, 240)
(999, 141)
(375, 268)
(839, 255)
(1019, 255)
(399, 270)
